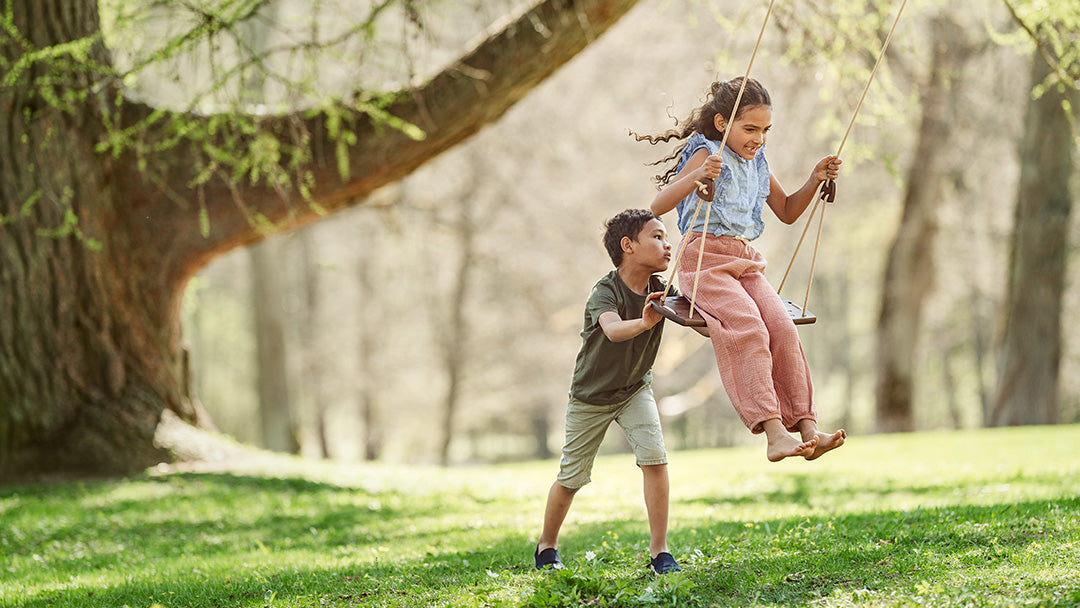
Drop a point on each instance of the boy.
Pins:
(612, 382)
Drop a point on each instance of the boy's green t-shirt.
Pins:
(609, 372)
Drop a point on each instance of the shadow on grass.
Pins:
(150, 524)
(435, 579)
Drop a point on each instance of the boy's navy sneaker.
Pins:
(664, 563)
(548, 558)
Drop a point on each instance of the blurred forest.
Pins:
(438, 321)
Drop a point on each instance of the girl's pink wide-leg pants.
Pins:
(757, 346)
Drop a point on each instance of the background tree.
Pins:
(455, 338)
(1030, 364)
(110, 205)
(313, 365)
(1031, 350)
(909, 271)
(277, 422)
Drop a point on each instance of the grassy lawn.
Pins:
(984, 518)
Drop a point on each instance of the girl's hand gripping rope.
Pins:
(827, 170)
(706, 182)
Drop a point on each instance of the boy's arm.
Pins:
(618, 329)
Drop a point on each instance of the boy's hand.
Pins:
(827, 168)
(649, 315)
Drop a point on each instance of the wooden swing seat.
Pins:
(677, 310)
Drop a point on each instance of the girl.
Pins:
(758, 352)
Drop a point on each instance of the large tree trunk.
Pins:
(1030, 361)
(90, 348)
(90, 341)
(909, 272)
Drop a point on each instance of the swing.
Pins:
(682, 310)
(677, 310)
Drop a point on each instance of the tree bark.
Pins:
(1030, 362)
(90, 348)
(90, 342)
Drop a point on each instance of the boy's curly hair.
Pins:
(719, 100)
(628, 223)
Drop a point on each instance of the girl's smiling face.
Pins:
(749, 130)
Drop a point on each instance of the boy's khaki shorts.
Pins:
(587, 424)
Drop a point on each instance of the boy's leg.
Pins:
(640, 421)
(656, 486)
(558, 505)
(585, 428)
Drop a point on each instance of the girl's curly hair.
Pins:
(719, 100)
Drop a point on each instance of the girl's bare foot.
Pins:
(827, 442)
(783, 446)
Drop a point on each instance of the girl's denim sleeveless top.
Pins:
(740, 195)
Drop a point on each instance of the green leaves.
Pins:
(379, 115)
(1054, 28)
(218, 88)
(70, 225)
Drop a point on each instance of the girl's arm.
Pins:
(788, 207)
(701, 166)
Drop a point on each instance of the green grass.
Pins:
(985, 518)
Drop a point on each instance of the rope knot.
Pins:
(828, 191)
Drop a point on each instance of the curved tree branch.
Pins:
(472, 92)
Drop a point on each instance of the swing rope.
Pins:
(707, 190)
(828, 187)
